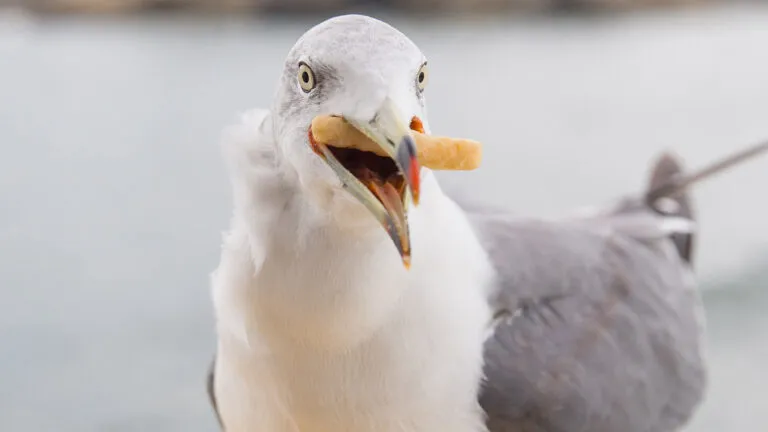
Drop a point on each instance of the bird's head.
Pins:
(374, 77)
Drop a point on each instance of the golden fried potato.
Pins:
(437, 153)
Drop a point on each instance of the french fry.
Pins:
(437, 153)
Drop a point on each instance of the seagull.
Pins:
(354, 294)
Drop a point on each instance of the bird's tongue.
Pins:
(390, 198)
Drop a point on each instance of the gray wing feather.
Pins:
(624, 352)
(666, 169)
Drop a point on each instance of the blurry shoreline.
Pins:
(313, 7)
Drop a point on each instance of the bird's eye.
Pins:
(422, 77)
(306, 78)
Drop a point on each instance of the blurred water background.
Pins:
(113, 195)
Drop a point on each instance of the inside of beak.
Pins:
(382, 180)
(376, 171)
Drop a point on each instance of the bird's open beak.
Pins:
(392, 133)
(384, 194)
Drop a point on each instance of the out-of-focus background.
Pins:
(113, 196)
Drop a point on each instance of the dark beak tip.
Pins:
(408, 161)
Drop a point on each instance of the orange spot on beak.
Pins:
(417, 125)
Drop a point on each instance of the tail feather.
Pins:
(667, 169)
(679, 184)
(668, 189)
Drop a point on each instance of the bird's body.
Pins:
(339, 336)
(322, 329)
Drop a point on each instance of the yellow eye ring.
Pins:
(306, 78)
(422, 77)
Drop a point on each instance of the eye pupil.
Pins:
(305, 76)
(421, 76)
